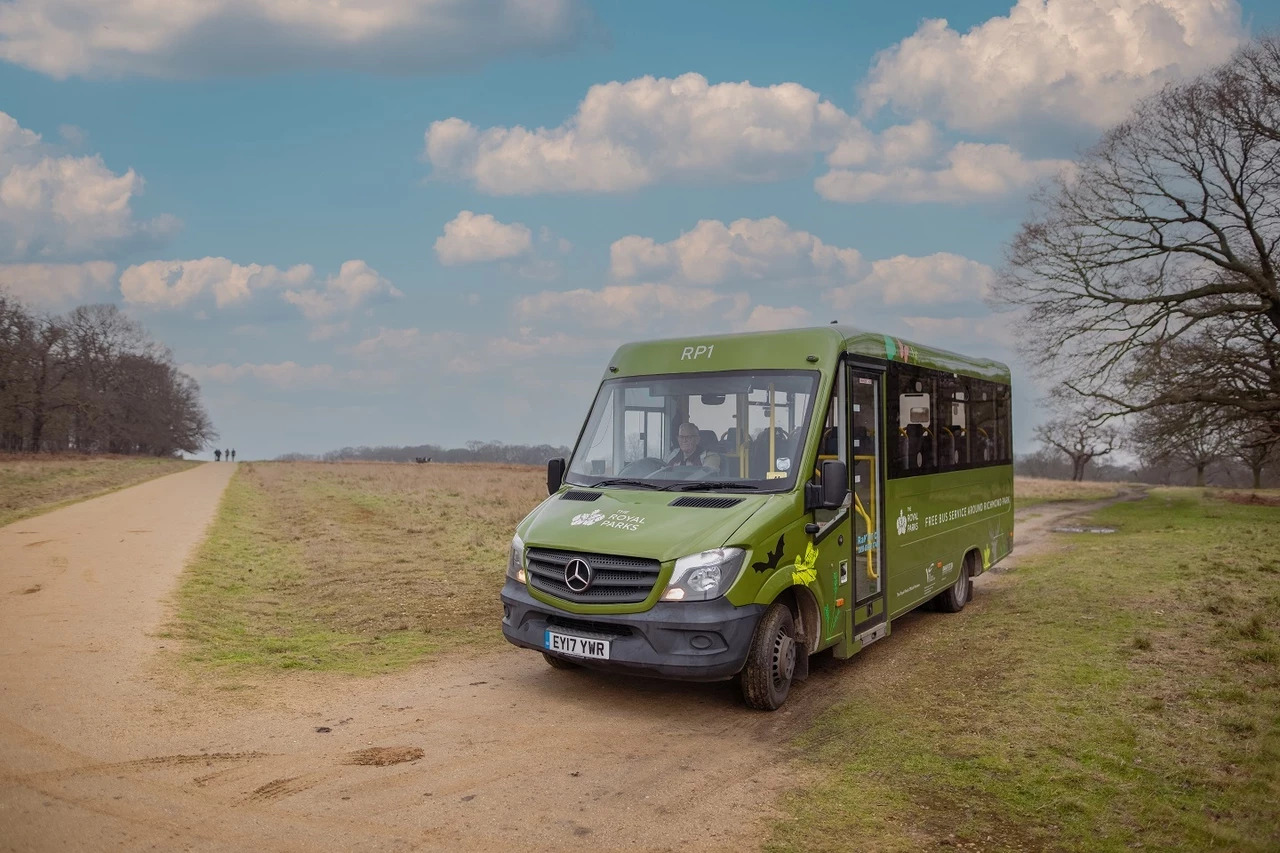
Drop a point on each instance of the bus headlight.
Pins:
(702, 577)
(515, 561)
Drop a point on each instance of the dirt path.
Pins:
(103, 746)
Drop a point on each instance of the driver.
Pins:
(688, 453)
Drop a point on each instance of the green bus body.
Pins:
(930, 506)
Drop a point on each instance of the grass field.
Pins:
(1120, 692)
(362, 567)
(31, 484)
(1029, 491)
(354, 567)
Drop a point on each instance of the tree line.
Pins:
(1145, 280)
(473, 451)
(93, 381)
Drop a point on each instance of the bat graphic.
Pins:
(774, 556)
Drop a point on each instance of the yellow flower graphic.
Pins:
(805, 572)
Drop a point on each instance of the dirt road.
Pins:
(105, 745)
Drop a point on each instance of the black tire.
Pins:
(771, 662)
(955, 598)
(560, 663)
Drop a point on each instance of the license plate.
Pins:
(579, 647)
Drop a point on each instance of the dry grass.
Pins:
(31, 484)
(356, 567)
(1260, 497)
(1037, 490)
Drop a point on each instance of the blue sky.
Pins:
(409, 221)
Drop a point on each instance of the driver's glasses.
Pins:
(686, 438)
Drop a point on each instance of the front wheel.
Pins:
(771, 662)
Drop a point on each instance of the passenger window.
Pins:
(911, 418)
(1005, 424)
(952, 422)
(917, 442)
(986, 430)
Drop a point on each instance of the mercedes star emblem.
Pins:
(577, 575)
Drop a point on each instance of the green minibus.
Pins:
(736, 503)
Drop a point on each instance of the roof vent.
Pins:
(579, 496)
(706, 503)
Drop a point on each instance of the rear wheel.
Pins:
(954, 599)
(771, 662)
(560, 663)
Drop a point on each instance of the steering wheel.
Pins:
(640, 467)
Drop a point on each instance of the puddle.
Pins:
(1084, 530)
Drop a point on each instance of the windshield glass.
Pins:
(723, 431)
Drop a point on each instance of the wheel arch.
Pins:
(973, 560)
(805, 611)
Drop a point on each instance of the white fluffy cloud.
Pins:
(969, 172)
(355, 284)
(58, 207)
(965, 334)
(1078, 61)
(767, 318)
(471, 238)
(388, 340)
(170, 284)
(288, 375)
(188, 38)
(713, 252)
(647, 131)
(937, 279)
(629, 135)
(47, 285)
(673, 309)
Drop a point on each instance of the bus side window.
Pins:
(949, 424)
(960, 423)
(985, 431)
(1005, 448)
(916, 427)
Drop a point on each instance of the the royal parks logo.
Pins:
(908, 521)
(620, 520)
(587, 518)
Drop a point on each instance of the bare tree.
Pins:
(93, 381)
(1165, 237)
(1255, 446)
(1190, 435)
(1076, 431)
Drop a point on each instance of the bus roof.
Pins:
(790, 348)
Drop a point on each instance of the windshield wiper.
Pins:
(710, 485)
(623, 481)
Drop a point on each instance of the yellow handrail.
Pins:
(872, 574)
(857, 504)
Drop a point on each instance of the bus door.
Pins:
(866, 442)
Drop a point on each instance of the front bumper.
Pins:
(688, 641)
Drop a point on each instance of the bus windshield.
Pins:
(720, 431)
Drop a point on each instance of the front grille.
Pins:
(579, 496)
(706, 503)
(588, 627)
(614, 580)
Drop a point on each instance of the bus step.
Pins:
(866, 638)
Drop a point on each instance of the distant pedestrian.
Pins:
(233, 454)
(217, 456)
(226, 454)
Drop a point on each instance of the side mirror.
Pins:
(835, 483)
(555, 475)
(830, 491)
